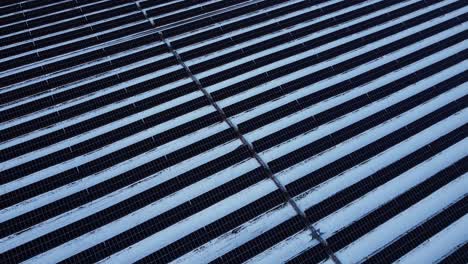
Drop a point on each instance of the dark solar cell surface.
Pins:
(262, 131)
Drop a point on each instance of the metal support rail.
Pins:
(240, 136)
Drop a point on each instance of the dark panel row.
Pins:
(252, 34)
(78, 9)
(299, 128)
(459, 256)
(404, 201)
(90, 105)
(81, 19)
(64, 63)
(93, 37)
(264, 241)
(100, 120)
(150, 3)
(37, 11)
(186, 14)
(335, 168)
(171, 217)
(29, 191)
(117, 182)
(326, 142)
(8, 3)
(114, 135)
(66, 48)
(84, 107)
(317, 58)
(424, 231)
(103, 140)
(82, 22)
(315, 255)
(379, 216)
(382, 176)
(181, 212)
(139, 201)
(203, 22)
(239, 24)
(169, 8)
(82, 74)
(215, 229)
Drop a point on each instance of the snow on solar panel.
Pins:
(260, 131)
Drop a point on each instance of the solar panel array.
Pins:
(232, 131)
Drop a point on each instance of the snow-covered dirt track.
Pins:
(230, 131)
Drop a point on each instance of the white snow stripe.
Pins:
(441, 244)
(385, 193)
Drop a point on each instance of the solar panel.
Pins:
(253, 131)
